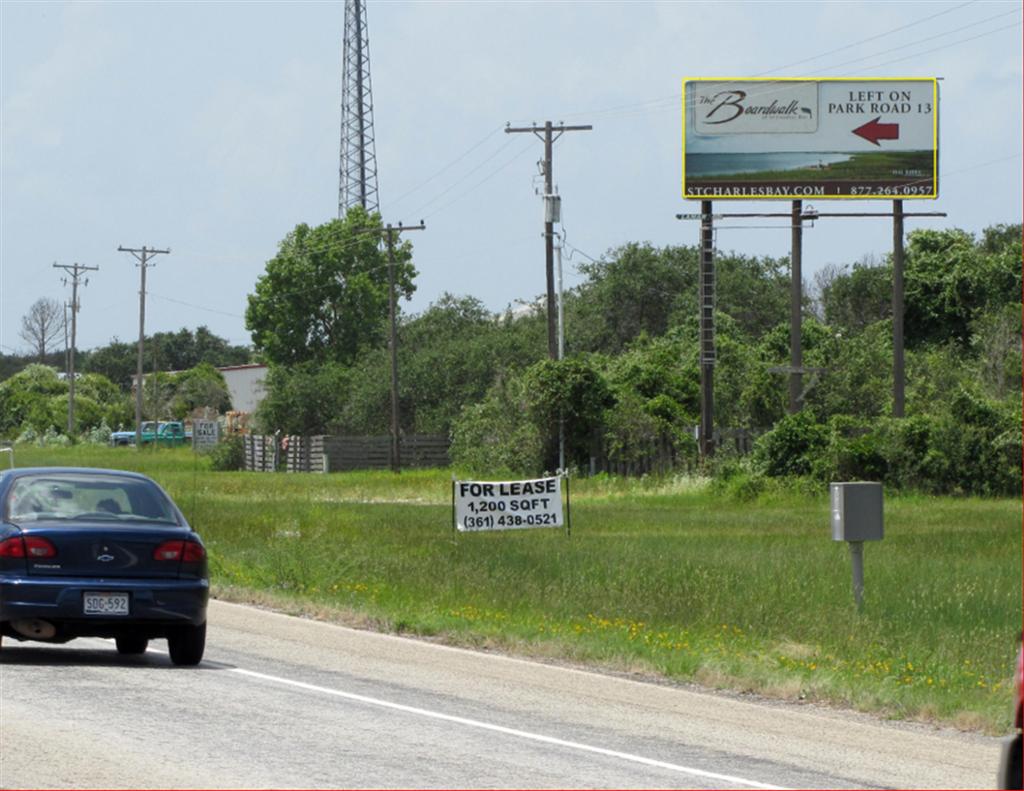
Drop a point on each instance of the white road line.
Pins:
(537, 737)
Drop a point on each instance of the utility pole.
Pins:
(75, 271)
(561, 352)
(67, 340)
(396, 457)
(549, 133)
(142, 255)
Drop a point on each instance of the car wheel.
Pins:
(131, 644)
(1010, 770)
(186, 644)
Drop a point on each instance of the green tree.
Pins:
(202, 386)
(324, 296)
(448, 358)
(852, 299)
(185, 349)
(495, 435)
(636, 289)
(451, 354)
(117, 361)
(951, 281)
(639, 289)
(304, 398)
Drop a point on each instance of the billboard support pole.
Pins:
(897, 309)
(707, 331)
(795, 310)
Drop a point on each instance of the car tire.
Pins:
(131, 644)
(186, 644)
(1010, 769)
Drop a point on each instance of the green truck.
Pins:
(171, 432)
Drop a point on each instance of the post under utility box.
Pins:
(856, 511)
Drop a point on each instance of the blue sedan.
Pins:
(99, 553)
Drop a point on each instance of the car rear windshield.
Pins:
(77, 496)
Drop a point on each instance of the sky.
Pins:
(213, 128)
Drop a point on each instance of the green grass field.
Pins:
(660, 577)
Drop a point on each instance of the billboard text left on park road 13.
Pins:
(810, 138)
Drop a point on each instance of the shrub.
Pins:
(98, 436)
(854, 453)
(791, 447)
(574, 391)
(496, 435)
(228, 454)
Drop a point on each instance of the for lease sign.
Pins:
(508, 505)
(810, 138)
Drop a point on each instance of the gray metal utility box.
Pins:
(856, 511)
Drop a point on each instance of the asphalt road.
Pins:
(284, 702)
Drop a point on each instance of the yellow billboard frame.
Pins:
(933, 195)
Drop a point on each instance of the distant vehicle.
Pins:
(99, 553)
(171, 432)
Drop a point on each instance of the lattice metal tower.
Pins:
(358, 170)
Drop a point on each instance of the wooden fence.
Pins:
(323, 453)
(260, 452)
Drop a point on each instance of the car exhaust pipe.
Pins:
(34, 628)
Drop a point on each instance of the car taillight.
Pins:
(27, 547)
(187, 551)
(36, 547)
(12, 547)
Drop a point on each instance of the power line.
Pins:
(340, 248)
(945, 46)
(462, 179)
(480, 183)
(451, 164)
(670, 102)
(931, 38)
(197, 307)
(869, 38)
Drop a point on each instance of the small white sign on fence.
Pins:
(507, 505)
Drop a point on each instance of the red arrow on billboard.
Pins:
(873, 131)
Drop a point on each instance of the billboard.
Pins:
(810, 138)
